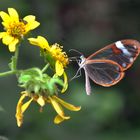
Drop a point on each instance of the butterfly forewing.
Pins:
(104, 72)
(123, 52)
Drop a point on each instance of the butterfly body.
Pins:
(81, 63)
(106, 67)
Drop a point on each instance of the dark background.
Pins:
(86, 25)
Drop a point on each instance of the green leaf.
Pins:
(36, 88)
(24, 78)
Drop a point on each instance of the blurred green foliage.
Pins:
(86, 25)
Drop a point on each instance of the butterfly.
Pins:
(107, 66)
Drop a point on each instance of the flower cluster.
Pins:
(53, 54)
(38, 85)
(15, 28)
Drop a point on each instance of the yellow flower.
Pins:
(65, 83)
(15, 28)
(56, 102)
(56, 52)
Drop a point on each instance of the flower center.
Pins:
(16, 29)
(57, 53)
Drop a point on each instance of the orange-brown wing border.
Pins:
(110, 62)
(125, 42)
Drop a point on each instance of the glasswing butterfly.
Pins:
(106, 66)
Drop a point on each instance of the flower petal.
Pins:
(41, 101)
(33, 41)
(13, 14)
(12, 45)
(59, 68)
(26, 105)
(65, 83)
(19, 114)
(6, 25)
(5, 17)
(58, 119)
(2, 34)
(67, 105)
(32, 25)
(40, 41)
(58, 108)
(21, 108)
(7, 39)
(29, 18)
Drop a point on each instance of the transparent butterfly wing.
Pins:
(104, 72)
(124, 57)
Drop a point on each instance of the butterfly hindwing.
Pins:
(104, 72)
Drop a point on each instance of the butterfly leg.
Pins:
(78, 74)
(87, 83)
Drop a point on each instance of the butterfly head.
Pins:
(82, 60)
(79, 59)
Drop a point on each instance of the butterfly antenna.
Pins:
(76, 57)
(75, 51)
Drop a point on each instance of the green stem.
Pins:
(13, 65)
(45, 68)
(15, 59)
(7, 73)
